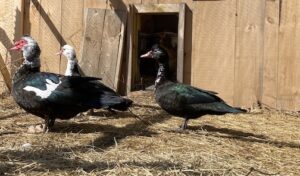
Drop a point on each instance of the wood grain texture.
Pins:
(5, 73)
(180, 39)
(214, 47)
(49, 34)
(249, 51)
(288, 62)
(188, 38)
(270, 64)
(92, 42)
(110, 56)
(72, 27)
(225, 54)
(101, 53)
(157, 8)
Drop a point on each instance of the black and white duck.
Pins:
(72, 64)
(52, 96)
(184, 100)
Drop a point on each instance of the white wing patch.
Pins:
(50, 87)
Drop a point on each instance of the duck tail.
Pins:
(123, 105)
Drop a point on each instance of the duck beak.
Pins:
(59, 53)
(17, 46)
(149, 54)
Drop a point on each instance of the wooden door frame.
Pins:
(132, 30)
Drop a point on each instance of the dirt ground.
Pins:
(256, 143)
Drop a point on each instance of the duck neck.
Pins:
(70, 67)
(161, 74)
(30, 65)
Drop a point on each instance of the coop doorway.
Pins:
(151, 24)
(159, 29)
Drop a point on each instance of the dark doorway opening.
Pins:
(159, 29)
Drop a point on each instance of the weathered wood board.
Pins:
(248, 52)
(270, 63)
(102, 44)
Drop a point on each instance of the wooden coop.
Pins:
(246, 50)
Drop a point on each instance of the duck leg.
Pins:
(90, 112)
(42, 128)
(111, 110)
(184, 124)
(49, 122)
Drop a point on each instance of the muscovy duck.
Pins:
(183, 100)
(72, 64)
(73, 67)
(52, 96)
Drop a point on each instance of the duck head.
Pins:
(157, 53)
(161, 56)
(68, 51)
(30, 50)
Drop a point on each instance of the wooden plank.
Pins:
(188, 38)
(101, 4)
(180, 46)
(170, 1)
(34, 21)
(5, 73)
(102, 47)
(92, 42)
(26, 22)
(109, 59)
(287, 56)
(134, 67)
(49, 34)
(117, 78)
(296, 87)
(129, 44)
(213, 47)
(157, 8)
(249, 52)
(72, 27)
(19, 17)
(149, 1)
(269, 95)
(18, 33)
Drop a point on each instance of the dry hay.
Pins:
(121, 144)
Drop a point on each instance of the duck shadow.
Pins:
(226, 131)
(140, 125)
(86, 128)
(242, 136)
(139, 128)
(111, 114)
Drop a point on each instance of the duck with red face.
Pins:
(51, 96)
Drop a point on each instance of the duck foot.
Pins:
(90, 112)
(184, 124)
(178, 130)
(111, 111)
(36, 129)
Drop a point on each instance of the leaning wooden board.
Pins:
(5, 73)
(103, 44)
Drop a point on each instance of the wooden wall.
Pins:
(247, 50)
(10, 28)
